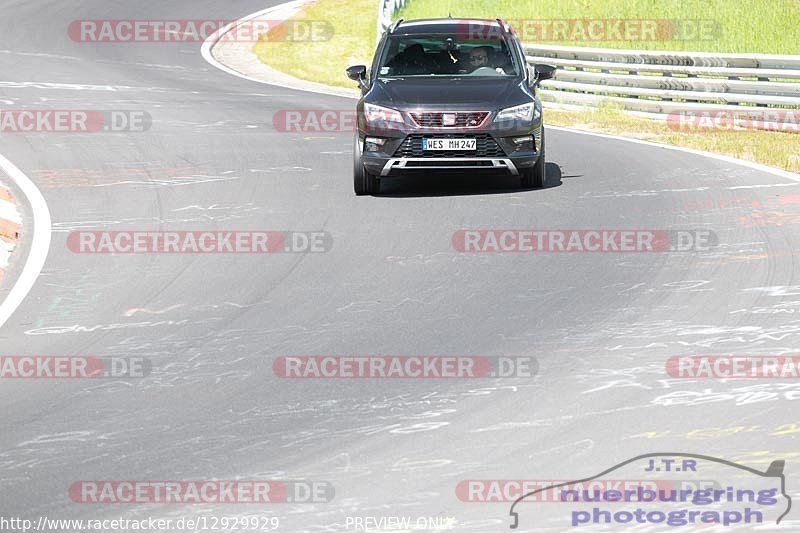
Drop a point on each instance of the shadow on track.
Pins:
(461, 185)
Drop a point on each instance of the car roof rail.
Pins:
(394, 26)
(505, 26)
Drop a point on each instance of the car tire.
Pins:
(536, 176)
(363, 182)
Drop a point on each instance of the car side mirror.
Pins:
(358, 73)
(541, 73)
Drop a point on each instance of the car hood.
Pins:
(456, 93)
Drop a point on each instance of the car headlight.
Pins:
(382, 117)
(523, 113)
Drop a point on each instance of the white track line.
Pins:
(40, 242)
(301, 86)
(286, 10)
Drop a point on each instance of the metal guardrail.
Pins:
(660, 83)
(657, 82)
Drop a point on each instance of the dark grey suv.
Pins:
(449, 95)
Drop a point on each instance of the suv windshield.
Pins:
(446, 55)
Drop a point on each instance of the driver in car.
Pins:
(479, 57)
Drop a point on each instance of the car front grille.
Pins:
(486, 146)
(444, 119)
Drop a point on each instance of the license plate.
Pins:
(449, 144)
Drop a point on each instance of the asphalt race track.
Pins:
(600, 325)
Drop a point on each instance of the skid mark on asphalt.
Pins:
(767, 186)
(640, 193)
(677, 334)
(656, 192)
(77, 328)
(628, 379)
(146, 173)
(745, 395)
(248, 207)
(785, 308)
(407, 464)
(281, 169)
(217, 214)
(683, 392)
(125, 64)
(358, 307)
(509, 426)
(750, 211)
(716, 432)
(82, 177)
(425, 259)
(776, 290)
(764, 218)
(177, 181)
(72, 298)
(78, 87)
(142, 310)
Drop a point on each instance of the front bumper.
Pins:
(406, 165)
(495, 154)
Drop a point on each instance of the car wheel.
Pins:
(363, 182)
(536, 176)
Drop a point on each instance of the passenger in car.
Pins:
(413, 61)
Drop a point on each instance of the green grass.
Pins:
(353, 43)
(766, 147)
(745, 26)
(742, 26)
